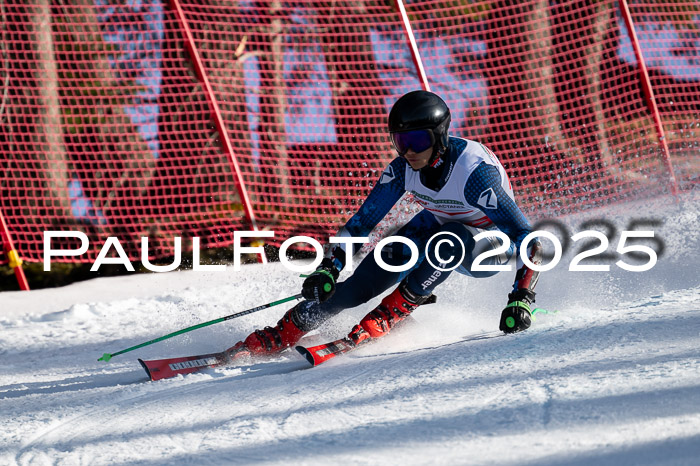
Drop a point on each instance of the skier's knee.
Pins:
(457, 228)
(450, 246)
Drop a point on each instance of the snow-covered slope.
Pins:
(613, 378)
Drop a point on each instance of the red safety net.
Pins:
(146, 118)
(669, 34)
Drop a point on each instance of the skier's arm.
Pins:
(508, 217)
(320, 285)
(386, 192)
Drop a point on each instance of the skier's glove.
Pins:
(320, 285)
(517, 315)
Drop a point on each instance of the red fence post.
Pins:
(12, 256)
(216, 112)
(413, 47)
(649, 93)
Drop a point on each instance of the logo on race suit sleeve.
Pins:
(488, 199)
(388, 175)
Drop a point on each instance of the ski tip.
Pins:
(307, 354)
(145, 367)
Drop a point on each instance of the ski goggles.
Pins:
(417, 140)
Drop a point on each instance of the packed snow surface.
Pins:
(612, 378)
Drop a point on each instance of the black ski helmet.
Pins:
(422, 110)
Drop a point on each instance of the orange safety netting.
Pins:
(113, 112)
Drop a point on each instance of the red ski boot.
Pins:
(394, 308)
(271, 340)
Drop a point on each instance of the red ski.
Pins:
(165, 368)
(322, 353)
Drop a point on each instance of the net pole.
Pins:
(13, 258)
(216, 111)
(648, 91)
(412, 46)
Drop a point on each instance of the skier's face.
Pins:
(418, 160)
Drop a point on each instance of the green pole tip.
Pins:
(327, 287)
(510, 322)
(105, 357)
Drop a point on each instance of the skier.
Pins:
(463, 190)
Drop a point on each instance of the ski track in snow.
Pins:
(613, 378)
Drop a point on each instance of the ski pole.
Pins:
(539, 310)
(107, 356)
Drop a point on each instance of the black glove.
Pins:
(517, 315)
(320, 285)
